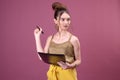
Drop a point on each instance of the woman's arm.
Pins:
(39, 48)
(76, 44)
(47, 44)
(37, 34)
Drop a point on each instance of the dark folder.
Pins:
(52, 58)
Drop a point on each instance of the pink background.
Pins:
(95, 22)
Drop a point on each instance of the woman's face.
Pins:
(64, 21)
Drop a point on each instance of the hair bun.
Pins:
(58, 6)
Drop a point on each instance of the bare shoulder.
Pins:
(74, 40)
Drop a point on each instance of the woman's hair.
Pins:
(59, 9)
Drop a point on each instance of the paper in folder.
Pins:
(52, 58)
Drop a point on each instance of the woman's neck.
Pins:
(62, 33)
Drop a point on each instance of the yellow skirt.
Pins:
(57, 73)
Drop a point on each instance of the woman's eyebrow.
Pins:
(65, 18)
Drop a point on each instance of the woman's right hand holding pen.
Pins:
(38, 31)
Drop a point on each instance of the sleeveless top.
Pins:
(65, 48)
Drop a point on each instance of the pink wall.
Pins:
(95, 22)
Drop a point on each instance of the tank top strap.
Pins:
(70, 37)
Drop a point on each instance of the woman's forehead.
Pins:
(65, 15)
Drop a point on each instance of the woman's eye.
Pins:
(68, 19)
(63, 19)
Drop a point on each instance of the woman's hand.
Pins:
(37, 31)
(62, 64)
(65, 65)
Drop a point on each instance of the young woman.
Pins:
(61, 42)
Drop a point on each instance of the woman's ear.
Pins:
(55, 21)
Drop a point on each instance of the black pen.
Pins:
(39, 29)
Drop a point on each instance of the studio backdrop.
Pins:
(95, 22)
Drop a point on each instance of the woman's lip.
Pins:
(65, 26)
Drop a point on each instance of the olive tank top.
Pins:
(65, 48)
